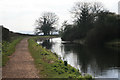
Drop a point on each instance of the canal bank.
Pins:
(48, 64)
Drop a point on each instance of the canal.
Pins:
(99, 62)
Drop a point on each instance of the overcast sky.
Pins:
(20, 15)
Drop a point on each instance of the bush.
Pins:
(65, 63)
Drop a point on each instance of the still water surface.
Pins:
(99, 62)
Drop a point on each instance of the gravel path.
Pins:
(21, 63)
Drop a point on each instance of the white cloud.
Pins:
(20, 15)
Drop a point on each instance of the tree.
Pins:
(83, 11)
(46, 23)
(106, 29)
(85, 15)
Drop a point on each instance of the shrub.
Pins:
(65, 63)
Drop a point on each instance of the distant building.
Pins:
(119, 7)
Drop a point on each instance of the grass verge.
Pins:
(49, 66)
(8, 48)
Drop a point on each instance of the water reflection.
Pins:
(99, 62)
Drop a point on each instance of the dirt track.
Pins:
(21, 64)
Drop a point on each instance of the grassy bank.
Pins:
(8, 48)
(49, 66)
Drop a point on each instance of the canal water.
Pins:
(99, 62)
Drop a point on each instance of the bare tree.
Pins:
(86, 10)
(46, 23)
(85, 15)
(97, 7)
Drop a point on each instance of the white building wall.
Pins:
(119, 7)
